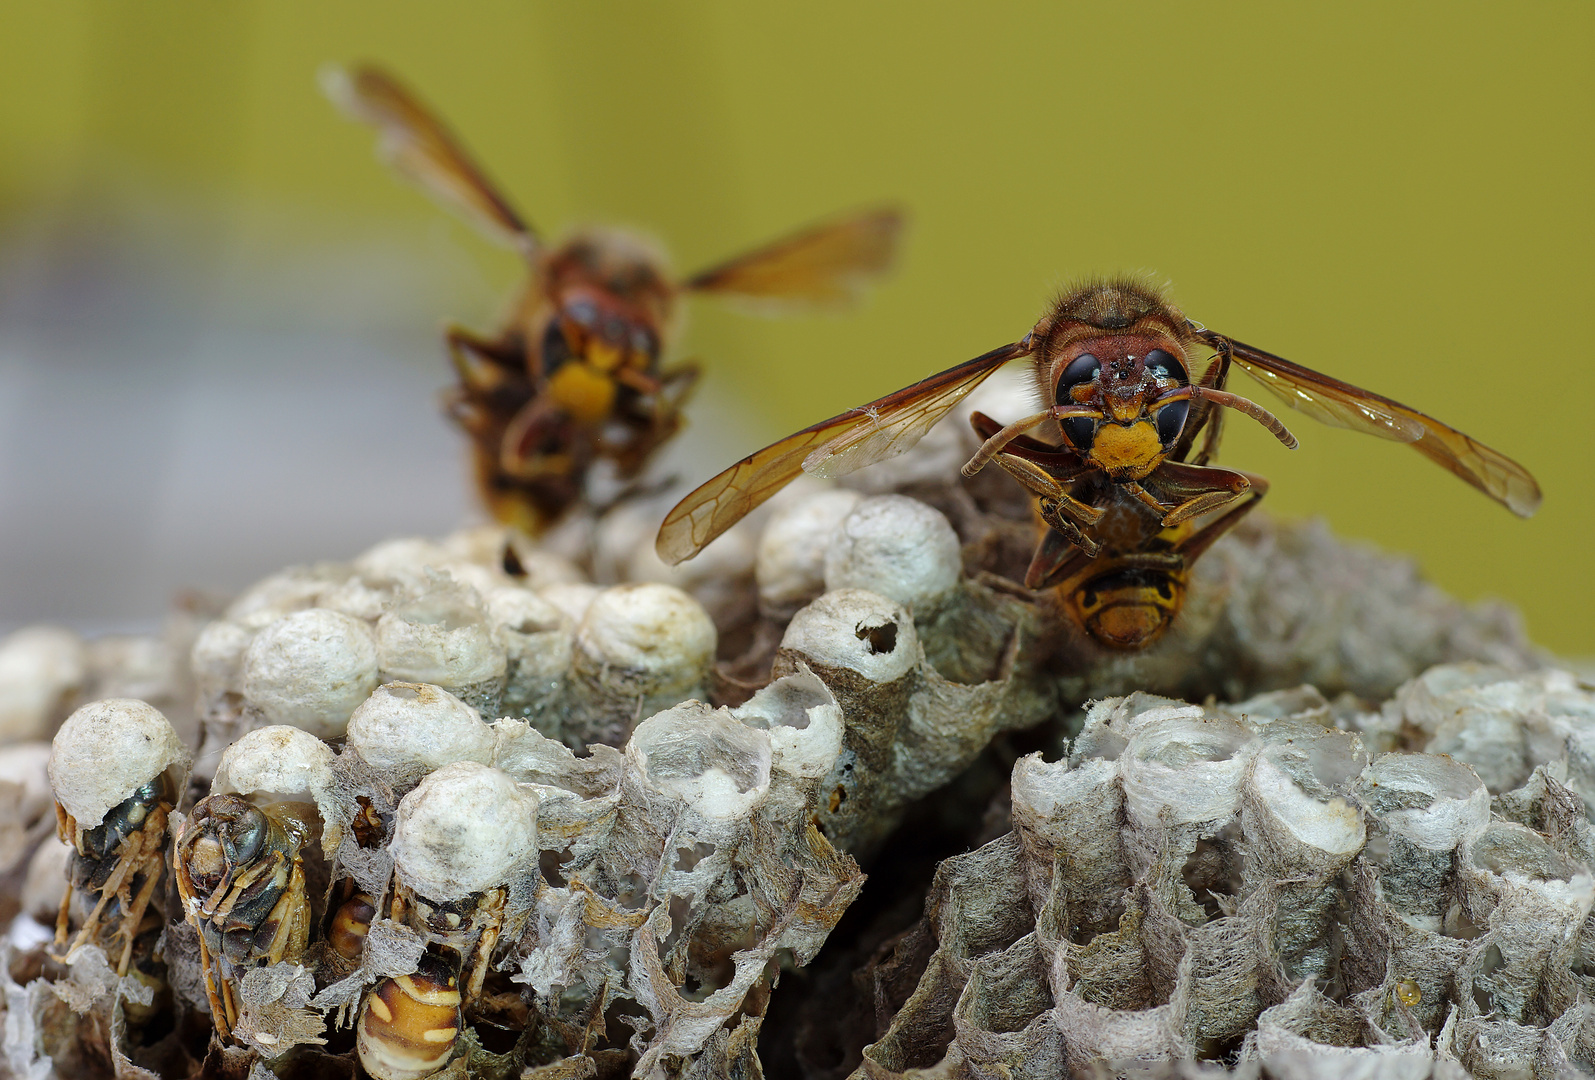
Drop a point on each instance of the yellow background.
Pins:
(1398, 195)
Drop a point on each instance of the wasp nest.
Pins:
(1275, 884)
(474, 807)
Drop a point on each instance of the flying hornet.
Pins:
(576, 375)
(1117, 458)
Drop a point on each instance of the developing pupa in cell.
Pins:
(114, 766)
(118, 863)
(408, 1025)
(240, 875)
(350, 924)
(458, 839)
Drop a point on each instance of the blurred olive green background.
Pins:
(1398, 195)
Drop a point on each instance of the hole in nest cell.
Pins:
(368, 829)
(631, 892)
(878, 639)
(1459, 924)
(622, 1019)
(687, 858)
(1225, 1050)
(495, 1039)
(1489, 964)
(1213, 870)
(305, 1063)
(512, 562)
(680, 919)
(552, 866)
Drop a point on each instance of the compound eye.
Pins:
(582, 312)
(556, 347)
(1162, 365)
(247, 837)
(1082, 369)
(1080, 431)
(1171, 421)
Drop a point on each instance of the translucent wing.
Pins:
(834, 447)
(827, 264)
(422, 150)
(1343, 405)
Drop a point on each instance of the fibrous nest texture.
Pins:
(630, 810)
(1265, 885)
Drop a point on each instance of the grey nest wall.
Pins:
(649, 799)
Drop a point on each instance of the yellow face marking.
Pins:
(1121, 410)
(604, 356)
(1127, 450)
(375, 1003)
(439, 1035)
(584, 392)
